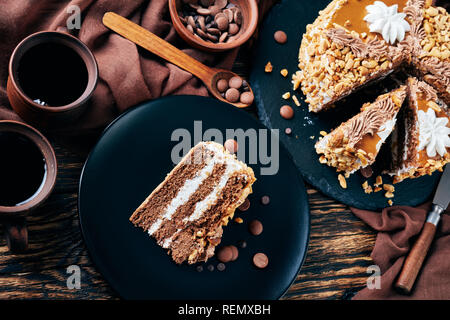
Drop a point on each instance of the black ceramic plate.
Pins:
(133, 157)
(292, 16)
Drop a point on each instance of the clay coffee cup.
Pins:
(52, 76)
(28, 168)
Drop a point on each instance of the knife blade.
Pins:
(442, 196)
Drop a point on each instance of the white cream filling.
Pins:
(384, 131)
(191, 186)
(165, 243)
(183, 195)
(322, 144)
(211, 199)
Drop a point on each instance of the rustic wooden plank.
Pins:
(51, 284)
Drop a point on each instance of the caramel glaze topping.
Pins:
(351, 16)
(386, 110)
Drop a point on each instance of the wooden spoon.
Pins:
(165, 50)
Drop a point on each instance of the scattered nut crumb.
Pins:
(378, 181)
(390, 202)
(286, 96)
(433, 105)
(312, 137)
(238, 220)
(323, 133)
(367, 189)
(297, 103)
(284, 72)
(268, 67)
(389, 195)
(389, 187)
(342, 181)
(377, 189)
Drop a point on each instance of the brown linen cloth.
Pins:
(397, 227)
(128, 75)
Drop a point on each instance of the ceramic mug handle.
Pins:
(16, 233)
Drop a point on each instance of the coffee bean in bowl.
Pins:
(214, 21)
(214, 25)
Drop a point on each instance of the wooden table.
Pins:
(335, 267)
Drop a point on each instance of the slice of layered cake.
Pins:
(422, 137)
(355, 143)
(354, 42)
(186, 212)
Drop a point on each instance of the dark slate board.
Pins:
(292, 16)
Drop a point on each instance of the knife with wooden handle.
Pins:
(416, 256)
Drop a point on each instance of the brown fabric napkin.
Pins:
(397, 227)
(128, 75)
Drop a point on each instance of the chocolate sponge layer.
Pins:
(186, 212)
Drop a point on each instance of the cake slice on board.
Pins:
(422, 143)
(186, 212)
(355, 143)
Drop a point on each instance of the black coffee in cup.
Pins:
(52, 74)
(22, 169)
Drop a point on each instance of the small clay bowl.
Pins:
(249, 9)
(13, 218)
(50, 117)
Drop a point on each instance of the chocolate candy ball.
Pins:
(222, 85)
(231, 145)
(232, 95)
(255, 227)
(260, 260)
(280, 37)
(225, 254)
(235, 82)
(287, 112)
(247, 98)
